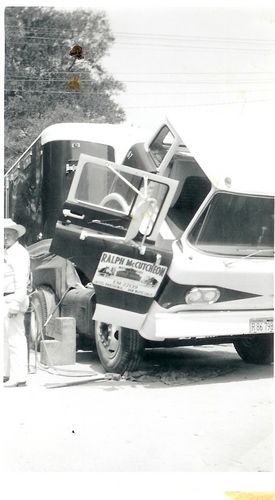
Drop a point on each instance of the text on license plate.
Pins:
(261, 326)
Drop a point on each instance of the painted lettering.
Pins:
(130, 263)
(119, 260)
(104, 257)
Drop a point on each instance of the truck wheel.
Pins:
(258, 350)
(119, 349)
(42, 304)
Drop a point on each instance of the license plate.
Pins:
(261, 326)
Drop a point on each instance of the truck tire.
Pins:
(119, 349)
(42, 304)
(258, 349)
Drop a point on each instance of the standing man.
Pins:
(16, 301)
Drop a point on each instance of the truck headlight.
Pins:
(199, 295)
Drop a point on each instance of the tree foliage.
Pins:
(44, 84)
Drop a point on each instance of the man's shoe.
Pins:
(5, 379)
(10, 383)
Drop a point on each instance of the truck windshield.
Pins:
(236, 225)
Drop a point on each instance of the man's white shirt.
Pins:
(16, 277)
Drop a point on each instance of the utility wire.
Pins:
(194, 73)
(193, 47)
(192, 37)
(153, 106)
(44, 30)
(237, 91)
(183, 72)
(46, 91)
(178, 82)
(157, 41)
(197, 104)
(142, 44)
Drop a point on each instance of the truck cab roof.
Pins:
(235, 151)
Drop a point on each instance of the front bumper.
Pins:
(160, 324)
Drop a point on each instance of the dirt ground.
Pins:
(187, 409)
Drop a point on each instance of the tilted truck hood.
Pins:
(233, 142)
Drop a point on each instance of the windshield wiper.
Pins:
(255, 252)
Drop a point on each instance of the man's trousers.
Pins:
(15, 347)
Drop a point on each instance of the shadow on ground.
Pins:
(188, 365)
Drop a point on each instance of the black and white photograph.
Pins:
(138, 244)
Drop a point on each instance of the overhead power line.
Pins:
(193, 47)
(165, 82)
(196, 73)
(179, 73)
(192, 37)
(240, 101)
(237, 91)
(141, 44)
(191, 105)
(183, 72)
(43, 30)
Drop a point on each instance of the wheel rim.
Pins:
(108, 339)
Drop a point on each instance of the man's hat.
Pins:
(10, 224)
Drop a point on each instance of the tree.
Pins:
(53, 72)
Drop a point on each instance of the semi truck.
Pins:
(153, 246)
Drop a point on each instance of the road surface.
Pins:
(188, 409)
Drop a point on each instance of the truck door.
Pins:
(108, 229)
(163, 146)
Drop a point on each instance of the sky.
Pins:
(182, 58)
